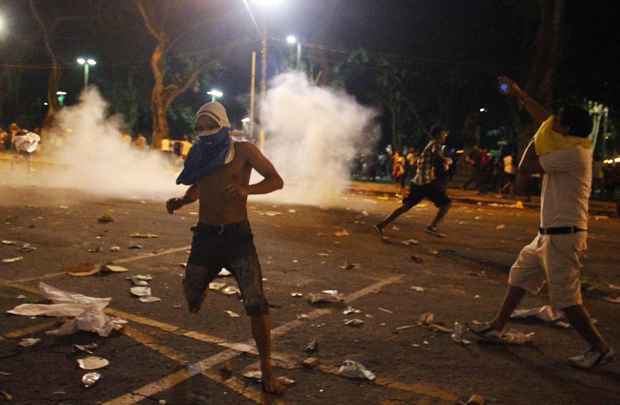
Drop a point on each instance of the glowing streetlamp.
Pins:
(293, 41)
(87, 63)
(215, 94)
(264, 44)
(483, 110)
(2, 24)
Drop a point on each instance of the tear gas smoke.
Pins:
(94, 158)
(313, 133)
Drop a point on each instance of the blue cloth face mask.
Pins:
(206, 155)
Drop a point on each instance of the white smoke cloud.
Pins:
(93, 157)
(312, 135)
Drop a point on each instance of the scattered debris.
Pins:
(13, 259)
(310, 362)
(426, 318)
(353, 369)
(341, 233)
(27, 248)
(296, 294)
(232, 314)
(411, 242)
(348, 266)
(417, 288)
(183, 265)
(404, 327)
(473, 400)
(140, 291)
(614, 287)
(387, 311)
(216, 286)
(312, 346)
(518, 338)
(253, 375)
(115, 248)
(96, 249)
(9, 242)
(90, 379)
(27, 342)
(417, 259)
(149, 300)
(292, 211)
(351, 310)
(601, 217)
(6, 396)
(81, 312)
(136, 246)
(231, 290)
(86, 348)
(105, 219)
(434, 252)
(113, 269)
(322, 254)
(326, 297)
(500, 227)
(457, 334)
(272, 213)
(353, 322)
(138, 235)
(545, 313)
(224, 273)
(21, 297)
(92, 363)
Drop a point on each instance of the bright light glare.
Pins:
(291, 40)
(2, 24)
(483, 110)
(61, 93)
(267, 3)
(617, 160)
(91, 62)
(246, 120)
(81, 61)
(216, 93)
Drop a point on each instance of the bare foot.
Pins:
(273, 386)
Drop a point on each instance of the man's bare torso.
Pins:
(218, 207)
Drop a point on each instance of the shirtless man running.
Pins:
(218, 170)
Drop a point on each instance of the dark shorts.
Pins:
(225, 246)
(435, 191)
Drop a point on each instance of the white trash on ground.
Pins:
(92, 363)
(353, 369)
(80, 312)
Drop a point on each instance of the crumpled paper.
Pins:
(353, 369)
(545, 313)
(79, 311)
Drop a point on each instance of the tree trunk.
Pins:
(158, 106)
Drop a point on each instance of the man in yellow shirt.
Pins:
(561, 153)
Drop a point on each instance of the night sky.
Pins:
(485, 38)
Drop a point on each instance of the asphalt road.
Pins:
(166, 354)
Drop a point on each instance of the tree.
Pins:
(167, 86)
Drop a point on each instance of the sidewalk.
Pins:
(599, 208)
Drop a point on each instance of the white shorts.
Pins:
(556, 260)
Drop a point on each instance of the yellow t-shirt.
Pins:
(547, 140)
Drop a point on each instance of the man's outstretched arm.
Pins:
(536, 110)
(191, 195)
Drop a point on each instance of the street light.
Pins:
(2, 24)
(293, 41)
(215, 94)
(264, 43)
(483, 110)
(87, 63)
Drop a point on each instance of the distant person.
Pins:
(3, 137)
(429, 182)
(140, 142)
(398, 167)
(410, 166)
(509, 173)
(26, 143)
(218, 171)
(562, 153)
(126, 138)
(473, 159)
